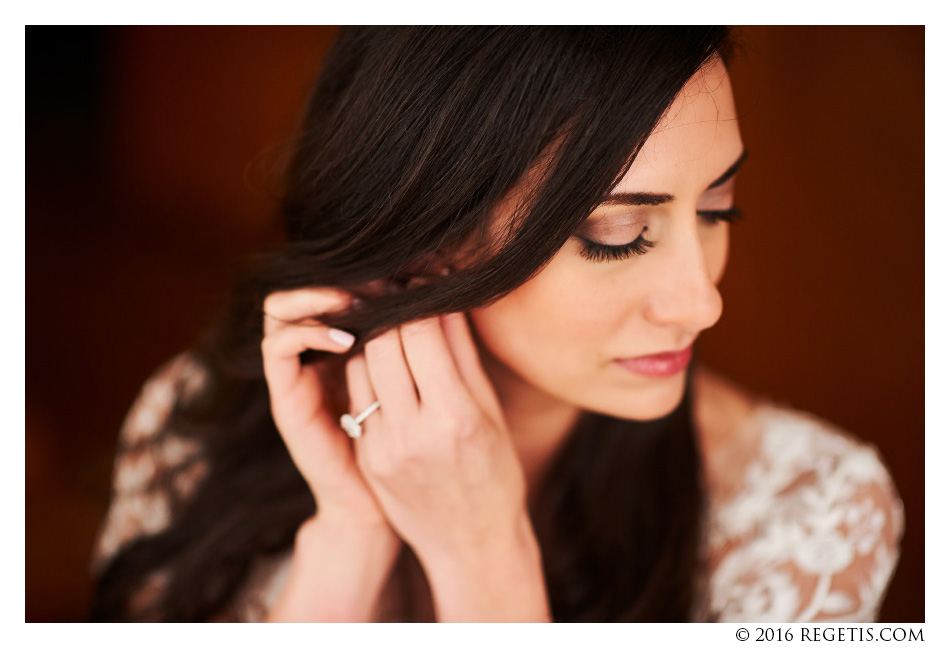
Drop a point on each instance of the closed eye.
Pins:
(600, 252)
(714, 216)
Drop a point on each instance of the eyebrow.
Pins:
(731, 171)
(646, 198)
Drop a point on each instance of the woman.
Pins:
(464, 389)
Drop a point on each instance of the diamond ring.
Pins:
(352, 424)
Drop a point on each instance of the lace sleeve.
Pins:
(150, 469)
(813, 535)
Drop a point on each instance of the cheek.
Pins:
(556, 326)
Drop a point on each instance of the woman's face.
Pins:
(561, 334)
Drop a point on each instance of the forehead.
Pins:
(695, 141)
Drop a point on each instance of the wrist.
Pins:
(345, 516)
(344, 524)
(503, 580)
(337, 571)
(324, 534)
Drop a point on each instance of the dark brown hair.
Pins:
(412, 136)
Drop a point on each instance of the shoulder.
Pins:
(752, 441)
(810, 529)
(152, 465)
(180, 377)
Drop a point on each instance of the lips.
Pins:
(658, 365)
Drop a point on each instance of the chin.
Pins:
(648, 404)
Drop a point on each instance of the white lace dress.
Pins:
(810, 531)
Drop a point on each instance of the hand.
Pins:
(317, 445)
(437, 453)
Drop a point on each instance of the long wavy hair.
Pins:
(411, 138)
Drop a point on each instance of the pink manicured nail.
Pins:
(342, 338)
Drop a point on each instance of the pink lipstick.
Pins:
(658, 365)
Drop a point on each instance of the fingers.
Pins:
(285, 338)
(425, 360)
(296, 392)
(460, 341)
(390, 375)
(359, 386)
(286, 307)
(430, 361)
(281, 352)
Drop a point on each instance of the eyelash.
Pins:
(600, 252)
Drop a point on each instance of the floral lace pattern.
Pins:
(140, 504)
(812, 533)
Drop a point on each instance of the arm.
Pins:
(501, 581)
(351, 531)
(337, 572)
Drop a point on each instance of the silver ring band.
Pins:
(351, 425)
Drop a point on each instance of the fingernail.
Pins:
(342, 338)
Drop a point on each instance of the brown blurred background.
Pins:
(143, 198)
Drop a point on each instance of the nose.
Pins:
(685, 296)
